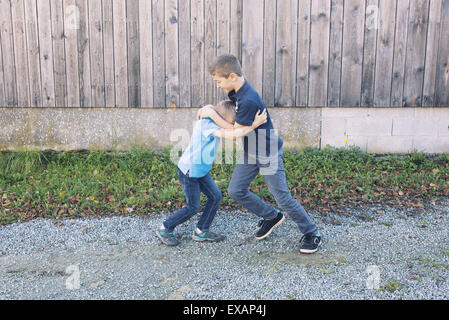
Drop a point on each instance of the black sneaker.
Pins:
(309, 243)
(267, 226)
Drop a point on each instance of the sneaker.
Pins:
(167, 237)
(267, 226)
(207, 236)
(309, 243)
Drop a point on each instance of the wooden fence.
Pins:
(154, 53)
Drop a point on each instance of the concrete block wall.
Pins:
(374, 130)
(387, 130)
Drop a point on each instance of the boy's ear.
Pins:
(233, 76)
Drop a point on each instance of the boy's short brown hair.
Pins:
(226, 109)
(224, 65)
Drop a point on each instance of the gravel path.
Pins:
(390, 254)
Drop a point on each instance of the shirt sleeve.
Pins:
(246, 113)
(208, 127)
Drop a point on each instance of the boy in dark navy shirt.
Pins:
(262, 153)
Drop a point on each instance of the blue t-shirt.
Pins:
(198, 158)
(248, 103)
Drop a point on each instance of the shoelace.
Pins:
(261, 222)
(307, 238)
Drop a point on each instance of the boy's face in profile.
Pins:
(226, 84)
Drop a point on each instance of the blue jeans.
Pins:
(192, 188)
(273, 171)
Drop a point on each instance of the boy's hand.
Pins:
(205, 112)
(260, 118)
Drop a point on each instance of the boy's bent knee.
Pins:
(237, 193)
(216, 197)
(285, 200)
(192, 210)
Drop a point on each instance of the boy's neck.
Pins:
(239, 84)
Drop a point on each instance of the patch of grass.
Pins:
(432, 263)
(392, 286)
(139, 182)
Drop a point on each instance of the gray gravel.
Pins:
(390, 254)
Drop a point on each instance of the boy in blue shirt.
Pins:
(193, 170)
(262, 153)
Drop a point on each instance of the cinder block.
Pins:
(390, 144)
(344, 112)
(359, 141)
(443, 127)
(388, 113)
(368, 127)
(435, 113)
(431, 144)
(415, 127)
(333, 127)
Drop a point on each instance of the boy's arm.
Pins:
(209, 112)
(240, 131)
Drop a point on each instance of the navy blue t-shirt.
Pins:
(248, 103)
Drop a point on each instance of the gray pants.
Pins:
(274, 175)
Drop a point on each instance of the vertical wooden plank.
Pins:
(2, 83)
(7, 43)
(236, 18)
(286, 39)
(335, 53)
(353, 31)
(416, 52)
(84, 55)
(269, 52)
(197, 53)
(133, 53)
(433, 39)
(46, 53)
(400, 46)
(20, 53)
(252, 42)
(223, 34)
(319, 53)
(210, 49)
(108, 53)
(96, 52)
(57, 17)
(146, 53)
(185, 95)
(171, 54)
(384, 57)
(159, 54)
(369, 52)
(71, 26)
(34, 67)
(442, 76)
(303, 58)
(120, 53)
